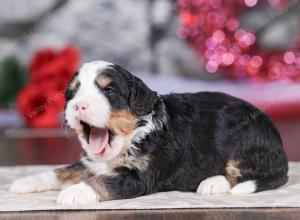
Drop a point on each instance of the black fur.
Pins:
(195, 136)
(70, 92)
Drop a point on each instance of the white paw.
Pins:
(214, 185)
(77, 194)
(36, 183)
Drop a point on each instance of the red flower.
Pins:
(54, 66)
(41, 101)
(40, 104)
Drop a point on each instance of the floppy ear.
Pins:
(142, 99)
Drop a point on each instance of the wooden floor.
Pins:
(172, 214)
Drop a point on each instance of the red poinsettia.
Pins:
(40, 104)
(41, 101)
(55, 66)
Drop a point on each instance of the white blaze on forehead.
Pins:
(89, 71)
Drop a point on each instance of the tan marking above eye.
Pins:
(74, 83)
(122, 122)
(103, 81)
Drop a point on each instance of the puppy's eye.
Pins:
(107, 90)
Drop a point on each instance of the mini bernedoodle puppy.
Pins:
(137, 142)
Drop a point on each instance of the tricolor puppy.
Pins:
(137, 142)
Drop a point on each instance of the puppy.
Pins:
(137, 142)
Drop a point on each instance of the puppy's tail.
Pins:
(261, 184)
(272, 182)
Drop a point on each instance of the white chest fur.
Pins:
(97, 168)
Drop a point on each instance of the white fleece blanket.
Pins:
(286, 196)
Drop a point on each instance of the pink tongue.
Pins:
(98, 139)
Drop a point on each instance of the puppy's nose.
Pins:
(81, 106)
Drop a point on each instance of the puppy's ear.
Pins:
(142, 99)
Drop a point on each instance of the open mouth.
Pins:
(98, 139)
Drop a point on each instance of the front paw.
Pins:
(36, 183)
(78, 194)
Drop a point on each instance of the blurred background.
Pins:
(247, 48)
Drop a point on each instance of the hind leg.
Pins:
(214, 185)
(247, 177)
(235, 175)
